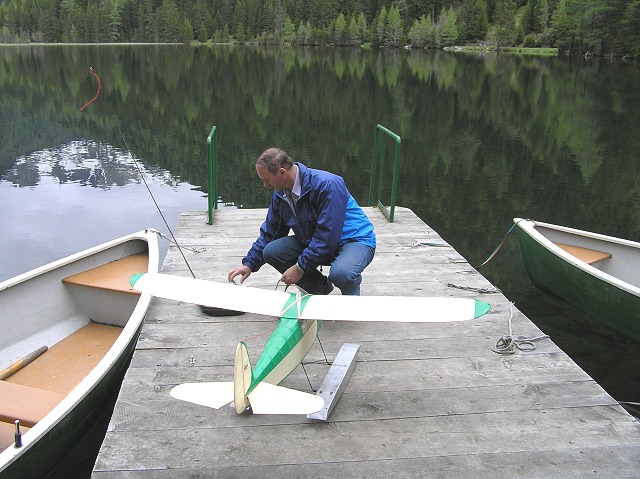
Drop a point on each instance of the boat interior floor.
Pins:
(30, 393)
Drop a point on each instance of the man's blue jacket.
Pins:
(326, 217)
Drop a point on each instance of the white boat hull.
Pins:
(40, 310)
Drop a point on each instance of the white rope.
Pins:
(193, 249)
(477, 290)
(415, 244)
(508, 345)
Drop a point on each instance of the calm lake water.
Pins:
(484, 139)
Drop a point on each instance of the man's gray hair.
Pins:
(273, 159)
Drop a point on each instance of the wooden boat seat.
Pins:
(587, 255)
(25, 403)
(113, 276)
(7, 431)
(65, 364)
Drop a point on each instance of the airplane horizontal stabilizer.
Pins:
(214, 395)
(271, 399)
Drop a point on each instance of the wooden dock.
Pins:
(425, 400)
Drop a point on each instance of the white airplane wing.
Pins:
(416, 309)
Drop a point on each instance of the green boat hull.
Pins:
(605, 302)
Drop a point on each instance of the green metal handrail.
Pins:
(378, 151)
(212, 146)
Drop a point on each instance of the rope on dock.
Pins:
(477, 290)
(193, 249)
(415, 244)
(508, 345)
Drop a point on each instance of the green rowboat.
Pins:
(596, 273)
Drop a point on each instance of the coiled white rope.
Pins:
(508, 345)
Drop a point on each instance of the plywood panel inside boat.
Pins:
(64, 365)
(26, 404)
(113, 276)
(587, 255)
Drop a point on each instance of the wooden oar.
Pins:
(20, 363)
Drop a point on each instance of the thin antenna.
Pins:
(153, 198)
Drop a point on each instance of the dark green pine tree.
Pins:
(473, 20)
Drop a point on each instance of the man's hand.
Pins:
(291, 276)
(242, 271)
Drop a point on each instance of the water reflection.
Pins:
(85, 163)
(76, 162)
(79, 194)
(484, 139)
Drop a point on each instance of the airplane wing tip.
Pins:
(481, 308)
(134, 279)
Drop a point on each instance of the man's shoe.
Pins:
(326, 286)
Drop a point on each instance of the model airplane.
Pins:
(257, 388)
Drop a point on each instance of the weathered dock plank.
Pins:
(425, 400)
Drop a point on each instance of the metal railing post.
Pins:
(212, 147)
(378, 152)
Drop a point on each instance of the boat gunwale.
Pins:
(115, 352)
(530, 227)
(21, 278)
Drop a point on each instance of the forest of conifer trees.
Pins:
(579, 27)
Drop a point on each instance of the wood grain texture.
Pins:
(425, 400)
